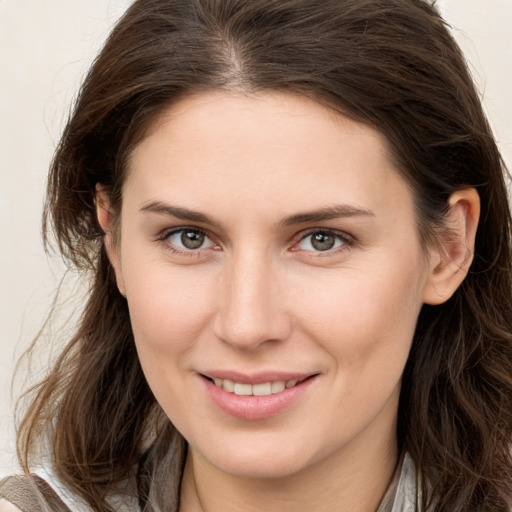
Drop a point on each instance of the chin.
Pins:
(259, 460)
(269, 468)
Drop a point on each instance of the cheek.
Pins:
(168, 307)
(366, 325)
(360, 317)
(168, 314)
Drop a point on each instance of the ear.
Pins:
(450, 259)
(106, 221)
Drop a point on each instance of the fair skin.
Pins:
(302, 261)
(5, 506)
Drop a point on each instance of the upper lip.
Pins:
(256, 378)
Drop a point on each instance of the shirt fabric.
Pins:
(401, 496)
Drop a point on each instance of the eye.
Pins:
(322, 241)
(189, 239)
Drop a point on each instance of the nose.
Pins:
(252, 309)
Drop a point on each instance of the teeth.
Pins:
(243, 389)
(228, 385)
(264, 389)
(291, 383)
(278, 386)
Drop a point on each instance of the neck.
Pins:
(351, 479)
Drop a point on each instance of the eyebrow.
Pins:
(330, 212)
(179, 212)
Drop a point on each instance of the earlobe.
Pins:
(106, 221)
(450, 260)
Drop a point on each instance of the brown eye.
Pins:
(192, 239)
(189, 239)
(323, 241)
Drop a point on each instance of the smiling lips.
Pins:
(263, 389)
(258, 400)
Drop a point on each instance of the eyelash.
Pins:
(347, 242)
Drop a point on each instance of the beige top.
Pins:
(36, 494)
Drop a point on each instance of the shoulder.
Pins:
(29, 493)
(7, 506)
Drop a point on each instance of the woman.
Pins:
(296, 224)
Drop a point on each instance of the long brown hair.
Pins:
(389, 63)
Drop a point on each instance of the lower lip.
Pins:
(256, 407)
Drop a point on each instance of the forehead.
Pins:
(243, 149)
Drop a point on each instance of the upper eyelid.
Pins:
(301, 234)
(169, 231)
(341, 234)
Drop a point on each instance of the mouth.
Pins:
(260, 389)
(257, 397)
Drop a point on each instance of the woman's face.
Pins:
(270, 259)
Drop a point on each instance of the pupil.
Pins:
(322, 241)
(192, 239)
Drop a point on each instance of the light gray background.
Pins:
(45, 48)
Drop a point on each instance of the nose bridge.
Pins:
(252, 311)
